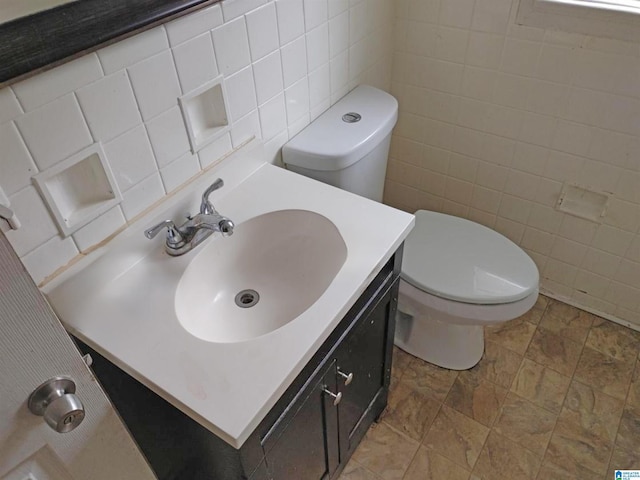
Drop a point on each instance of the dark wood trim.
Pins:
(41, 41)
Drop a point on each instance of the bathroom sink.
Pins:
(307, 249)
(273, 268)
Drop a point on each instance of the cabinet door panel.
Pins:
(306, 447)
(364, 355)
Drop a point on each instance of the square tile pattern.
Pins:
(282, 66)
(556, 395)
(494, 117)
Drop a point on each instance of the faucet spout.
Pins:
(212, 221)
(206, 206)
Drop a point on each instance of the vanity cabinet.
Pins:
(308, 434)
(324, 424)
(307, 431)
(366, 354)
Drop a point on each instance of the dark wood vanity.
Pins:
(313, 429)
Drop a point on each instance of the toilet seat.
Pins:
(463, 261)
(458, 313)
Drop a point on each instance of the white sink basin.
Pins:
(289, 257)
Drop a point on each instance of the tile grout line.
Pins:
(398, 431)
(424, 435)
(624, 407)
(509, 390)
(493, 423)
(545, 456)
(553, 430)
(571, 379)
(624, 402)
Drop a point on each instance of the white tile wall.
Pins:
(290, 19)
(125, 96)
(16, 166)
(130, 157)
(168, 136)
(494, 117)
(191, 26)
(267, 74)
(294, 61)
(231, 44)
(262, 27)
(179, 171)
(108, 105)
(135, 49)
(37, 224)
(9, 106)
(54, 131)
(99, 229)
(241, 96)
(44, 88)
(155, 84)
(273, 117)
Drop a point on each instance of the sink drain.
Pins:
(247, 298)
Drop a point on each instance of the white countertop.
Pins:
(116, 299)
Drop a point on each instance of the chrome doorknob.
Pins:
(56, 401)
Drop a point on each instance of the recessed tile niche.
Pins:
(205, 113)
(79, 189)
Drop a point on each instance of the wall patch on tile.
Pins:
(582, 202)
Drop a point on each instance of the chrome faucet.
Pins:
(196, 229)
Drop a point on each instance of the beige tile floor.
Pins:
(556, 396)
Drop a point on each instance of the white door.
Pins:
(34, 348)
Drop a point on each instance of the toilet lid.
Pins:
(460, 260)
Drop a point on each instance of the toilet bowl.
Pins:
(457, 275)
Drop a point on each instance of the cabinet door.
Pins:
(365, 354)
(303, 444)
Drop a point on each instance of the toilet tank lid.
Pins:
(464, 261)
(330, 143)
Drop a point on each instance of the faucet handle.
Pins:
(205, 206)
(153, 231)
(173, 235)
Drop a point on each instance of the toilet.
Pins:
(457, 275)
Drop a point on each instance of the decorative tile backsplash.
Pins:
(283, 62)
(496, 117)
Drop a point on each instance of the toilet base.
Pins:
(456, 347)
(447, 333)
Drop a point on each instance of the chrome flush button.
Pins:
(351, 117)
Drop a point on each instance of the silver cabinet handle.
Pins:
(337, 397)
(56, 401)
(348, 378)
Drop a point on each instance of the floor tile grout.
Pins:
(502, 363)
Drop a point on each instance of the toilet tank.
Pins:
(348, 145)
